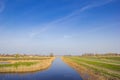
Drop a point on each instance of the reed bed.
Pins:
(24, 65)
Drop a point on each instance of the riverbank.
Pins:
(57, 71)
(24, 65)
(91, 68)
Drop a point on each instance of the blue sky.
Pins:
(59, 26)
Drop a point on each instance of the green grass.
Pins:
(104, 59)
(18, 64)
(23, 58)
(112, 58)
(21, 63)
(100, 65)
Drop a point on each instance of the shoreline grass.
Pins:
(105, 70)
(26, 65)
(17, 64)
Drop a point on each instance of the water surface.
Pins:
(58, 71)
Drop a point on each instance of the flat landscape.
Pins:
(24, 63)
(59, 39)
(101, 67)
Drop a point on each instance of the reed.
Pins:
(26, 65)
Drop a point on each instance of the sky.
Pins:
(59, 26)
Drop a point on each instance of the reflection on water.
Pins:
(58, 71)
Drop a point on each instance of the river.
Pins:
(57, 71)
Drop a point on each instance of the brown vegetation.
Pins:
(36, 65)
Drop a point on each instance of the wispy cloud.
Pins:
(39, 31)
(2, 6)
(95, 4)
(69, 16)
(78, 11)
(67, 36)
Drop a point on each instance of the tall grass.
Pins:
(18, 64)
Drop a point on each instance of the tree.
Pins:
(51, 55)
(17, 55)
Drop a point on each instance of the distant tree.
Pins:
(51, 55)
(17, 55)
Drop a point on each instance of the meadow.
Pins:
(96, 67)
(24, 63)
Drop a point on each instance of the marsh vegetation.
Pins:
(24, 63)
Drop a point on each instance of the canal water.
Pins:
(58, 71)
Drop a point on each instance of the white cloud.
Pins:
(67, 36)
(78, 11)
(2, 6)
(95, 4)
(38, 31)
(73, 14)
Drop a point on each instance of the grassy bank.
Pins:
(99, 67)
(17, 64)
(25, 64)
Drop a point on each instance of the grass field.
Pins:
(23, 58)
(17, 64)
(24, 64)
(106, 66)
